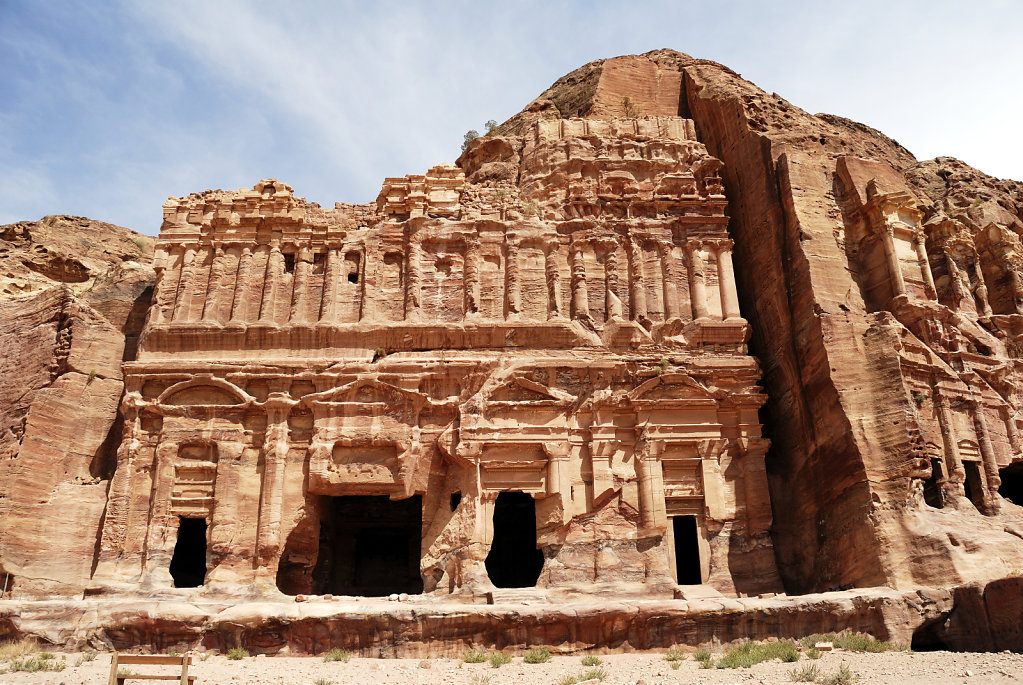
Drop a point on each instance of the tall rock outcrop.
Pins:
(74, 291)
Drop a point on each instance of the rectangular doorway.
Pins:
(687, 550)
(974, 483)
(369, 546)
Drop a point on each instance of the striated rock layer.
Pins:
(75, 314)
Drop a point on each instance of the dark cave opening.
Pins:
(188, 565)
(687, 550)
(514, 560)
(1012, 483)
(369, 546)
(974, 484)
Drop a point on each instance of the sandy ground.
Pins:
(647, 668)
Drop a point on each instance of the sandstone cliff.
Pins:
(881, 384)
(75, 293)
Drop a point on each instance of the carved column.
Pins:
(959, 281)
(275, 455)
(116, 522)
(650, 479)
(920, 242)
(672, 310)
(168, 279)
(726, 282)
(184, 296)
(953, 461)
(414, 279)
(697, 280)
(300, 286)
(980, 290)
(472, 275)
(553, 277)
(274, 270)
(892, 257)
(241, 285)
(215, 285)
(637, 291)
(580, 296)
(987, 454)
(513, 301)
(331, 284)
(1017, 286)
(1010, 429)
(612, 303)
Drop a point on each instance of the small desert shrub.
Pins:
(537, 655)
(85, 657)
(15, 649)
(590, 660)
(499, 659)
(750, 653)
(37, 663)
(337, 654)
(704, 658)
(806, 674)
(569, 679)
(840, 677)
(125, 673)
(813, 653)
(674, 654)
(480, 679)
(474, 656)
(592, 674)
(237, 653)
(853, 642)
(323, 681)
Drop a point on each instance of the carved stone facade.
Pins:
(338, 400)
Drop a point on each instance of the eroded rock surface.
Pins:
(530, 368)
(61, 348)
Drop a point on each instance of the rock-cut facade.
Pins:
(527, 369)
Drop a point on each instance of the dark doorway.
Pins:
(932, 491)
(369, 546)
(1012, 483)
(687, 550)
(188, 565)
(514, 560)
(974, 484)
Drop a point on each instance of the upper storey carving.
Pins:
(577, 233)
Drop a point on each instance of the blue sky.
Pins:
(107, 108)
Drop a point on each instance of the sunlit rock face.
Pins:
(659, 329)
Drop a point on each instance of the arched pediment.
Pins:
(204, 392)
(366, 391)
(672, 386)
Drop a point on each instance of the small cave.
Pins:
(1012, 483)
(369, 546)
(687, 550)
(930, 637)
(188, 565)
(932, 489)
(6, 583)
(514, 559)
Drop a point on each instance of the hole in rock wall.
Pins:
(352, 267)
(974, 484)
(1012, 483)
(687, 550)
(928, 637)
(289, 262)
(514, 560)
(188, 565)
(932, 492)
(369, 546)
(456, 499)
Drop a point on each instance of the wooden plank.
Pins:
(155, 677)
(152, 659)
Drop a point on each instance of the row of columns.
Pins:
(960, 280)
(214, 288)
(953, 456)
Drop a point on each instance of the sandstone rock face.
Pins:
(60, 387)
(526, 375)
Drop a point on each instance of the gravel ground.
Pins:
(621, 669)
